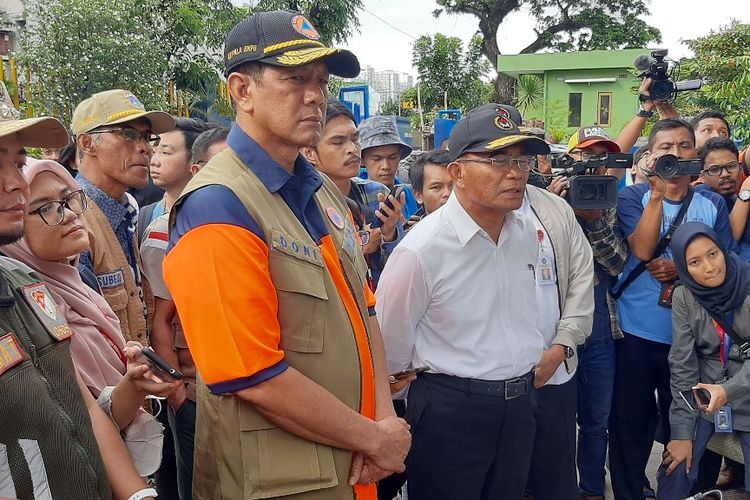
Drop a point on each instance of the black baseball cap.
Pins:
(283, 38)
(489, 128)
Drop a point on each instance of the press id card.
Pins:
(545, 268)
(723, 419)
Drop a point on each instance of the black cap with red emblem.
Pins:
(283, 38)
(489, 128)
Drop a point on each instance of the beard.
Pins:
(10, 236)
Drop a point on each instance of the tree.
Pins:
(561, 25)
(80, 47)
(335, 20)
(444, 66)
(722, 60)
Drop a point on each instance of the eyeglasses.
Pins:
(53, 212)
(131, 135)
(525, 163)
(715, 170)
(586, 155)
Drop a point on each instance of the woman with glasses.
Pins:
(54, 236)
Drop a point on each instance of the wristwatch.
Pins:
(744, 194)
(644, 114)
(569, 352)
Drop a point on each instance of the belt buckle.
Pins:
(511, 384)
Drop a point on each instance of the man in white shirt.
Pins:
(458, 296)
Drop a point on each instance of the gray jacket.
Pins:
(694, 357)
(575, 268)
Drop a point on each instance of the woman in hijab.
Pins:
(711, 305)
(54, 236)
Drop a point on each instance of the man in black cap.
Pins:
(458, 296)
(294, 399)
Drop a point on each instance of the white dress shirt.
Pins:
(453, 300)
(547, 295)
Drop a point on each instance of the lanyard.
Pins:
(726, 340)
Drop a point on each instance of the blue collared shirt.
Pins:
(120, 217)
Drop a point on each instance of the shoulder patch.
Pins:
(10, 352)
(40, 300)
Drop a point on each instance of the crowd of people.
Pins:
(303, 307)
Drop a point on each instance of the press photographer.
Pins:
(597, 355)
(648, 214)
(656, 67)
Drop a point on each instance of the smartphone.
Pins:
(158, 363)
(396, 193)
(696, 399)
(404, 373)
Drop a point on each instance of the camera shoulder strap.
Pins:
(660, 247)
(742, 344)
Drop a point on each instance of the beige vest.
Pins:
(238, 453)
(115, 277)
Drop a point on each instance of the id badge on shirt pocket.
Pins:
(545, 268)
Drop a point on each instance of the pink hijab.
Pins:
(97, 345)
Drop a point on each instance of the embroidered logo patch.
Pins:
(10, 352)
(293, 247)
(302, 26)
(111, 280)
(335, 217)
(40, 300)
(502, 120)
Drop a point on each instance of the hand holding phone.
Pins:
(696, 399)
(396, 193)
(160, 365)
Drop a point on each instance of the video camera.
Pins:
(656, 68)
(669, 166)
(586, 189)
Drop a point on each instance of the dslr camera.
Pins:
(656, 68)
(586, 189)
(669, 166)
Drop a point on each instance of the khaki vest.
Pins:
(46, 439)
(238, 453)
(110, 264)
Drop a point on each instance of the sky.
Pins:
(389, 47)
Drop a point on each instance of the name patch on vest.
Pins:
(111, 280)
(298, 249)
(40, 300)
(10, 352)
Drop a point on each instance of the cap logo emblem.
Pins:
(135, 102)
(503, 121)
(593, 132)
(302, 26)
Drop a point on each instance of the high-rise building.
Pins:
(388, 84)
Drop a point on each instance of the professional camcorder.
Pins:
(669, 166)
(656, 68)
(587, 189)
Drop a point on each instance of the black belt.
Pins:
(507, 389)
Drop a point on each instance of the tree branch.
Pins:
(541, 41)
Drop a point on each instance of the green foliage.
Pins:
(530, 93)
(80, 47)
(445, 66)
(722, 60)
(562, 25)
(335, 20)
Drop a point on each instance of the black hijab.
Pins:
(725, 298)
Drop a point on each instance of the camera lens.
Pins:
(661, 90)
(667, 166)
(590, 192)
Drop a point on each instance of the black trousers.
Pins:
(466, 445)
(553, 464)
(641, 369)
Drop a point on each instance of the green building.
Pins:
(580, 88)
